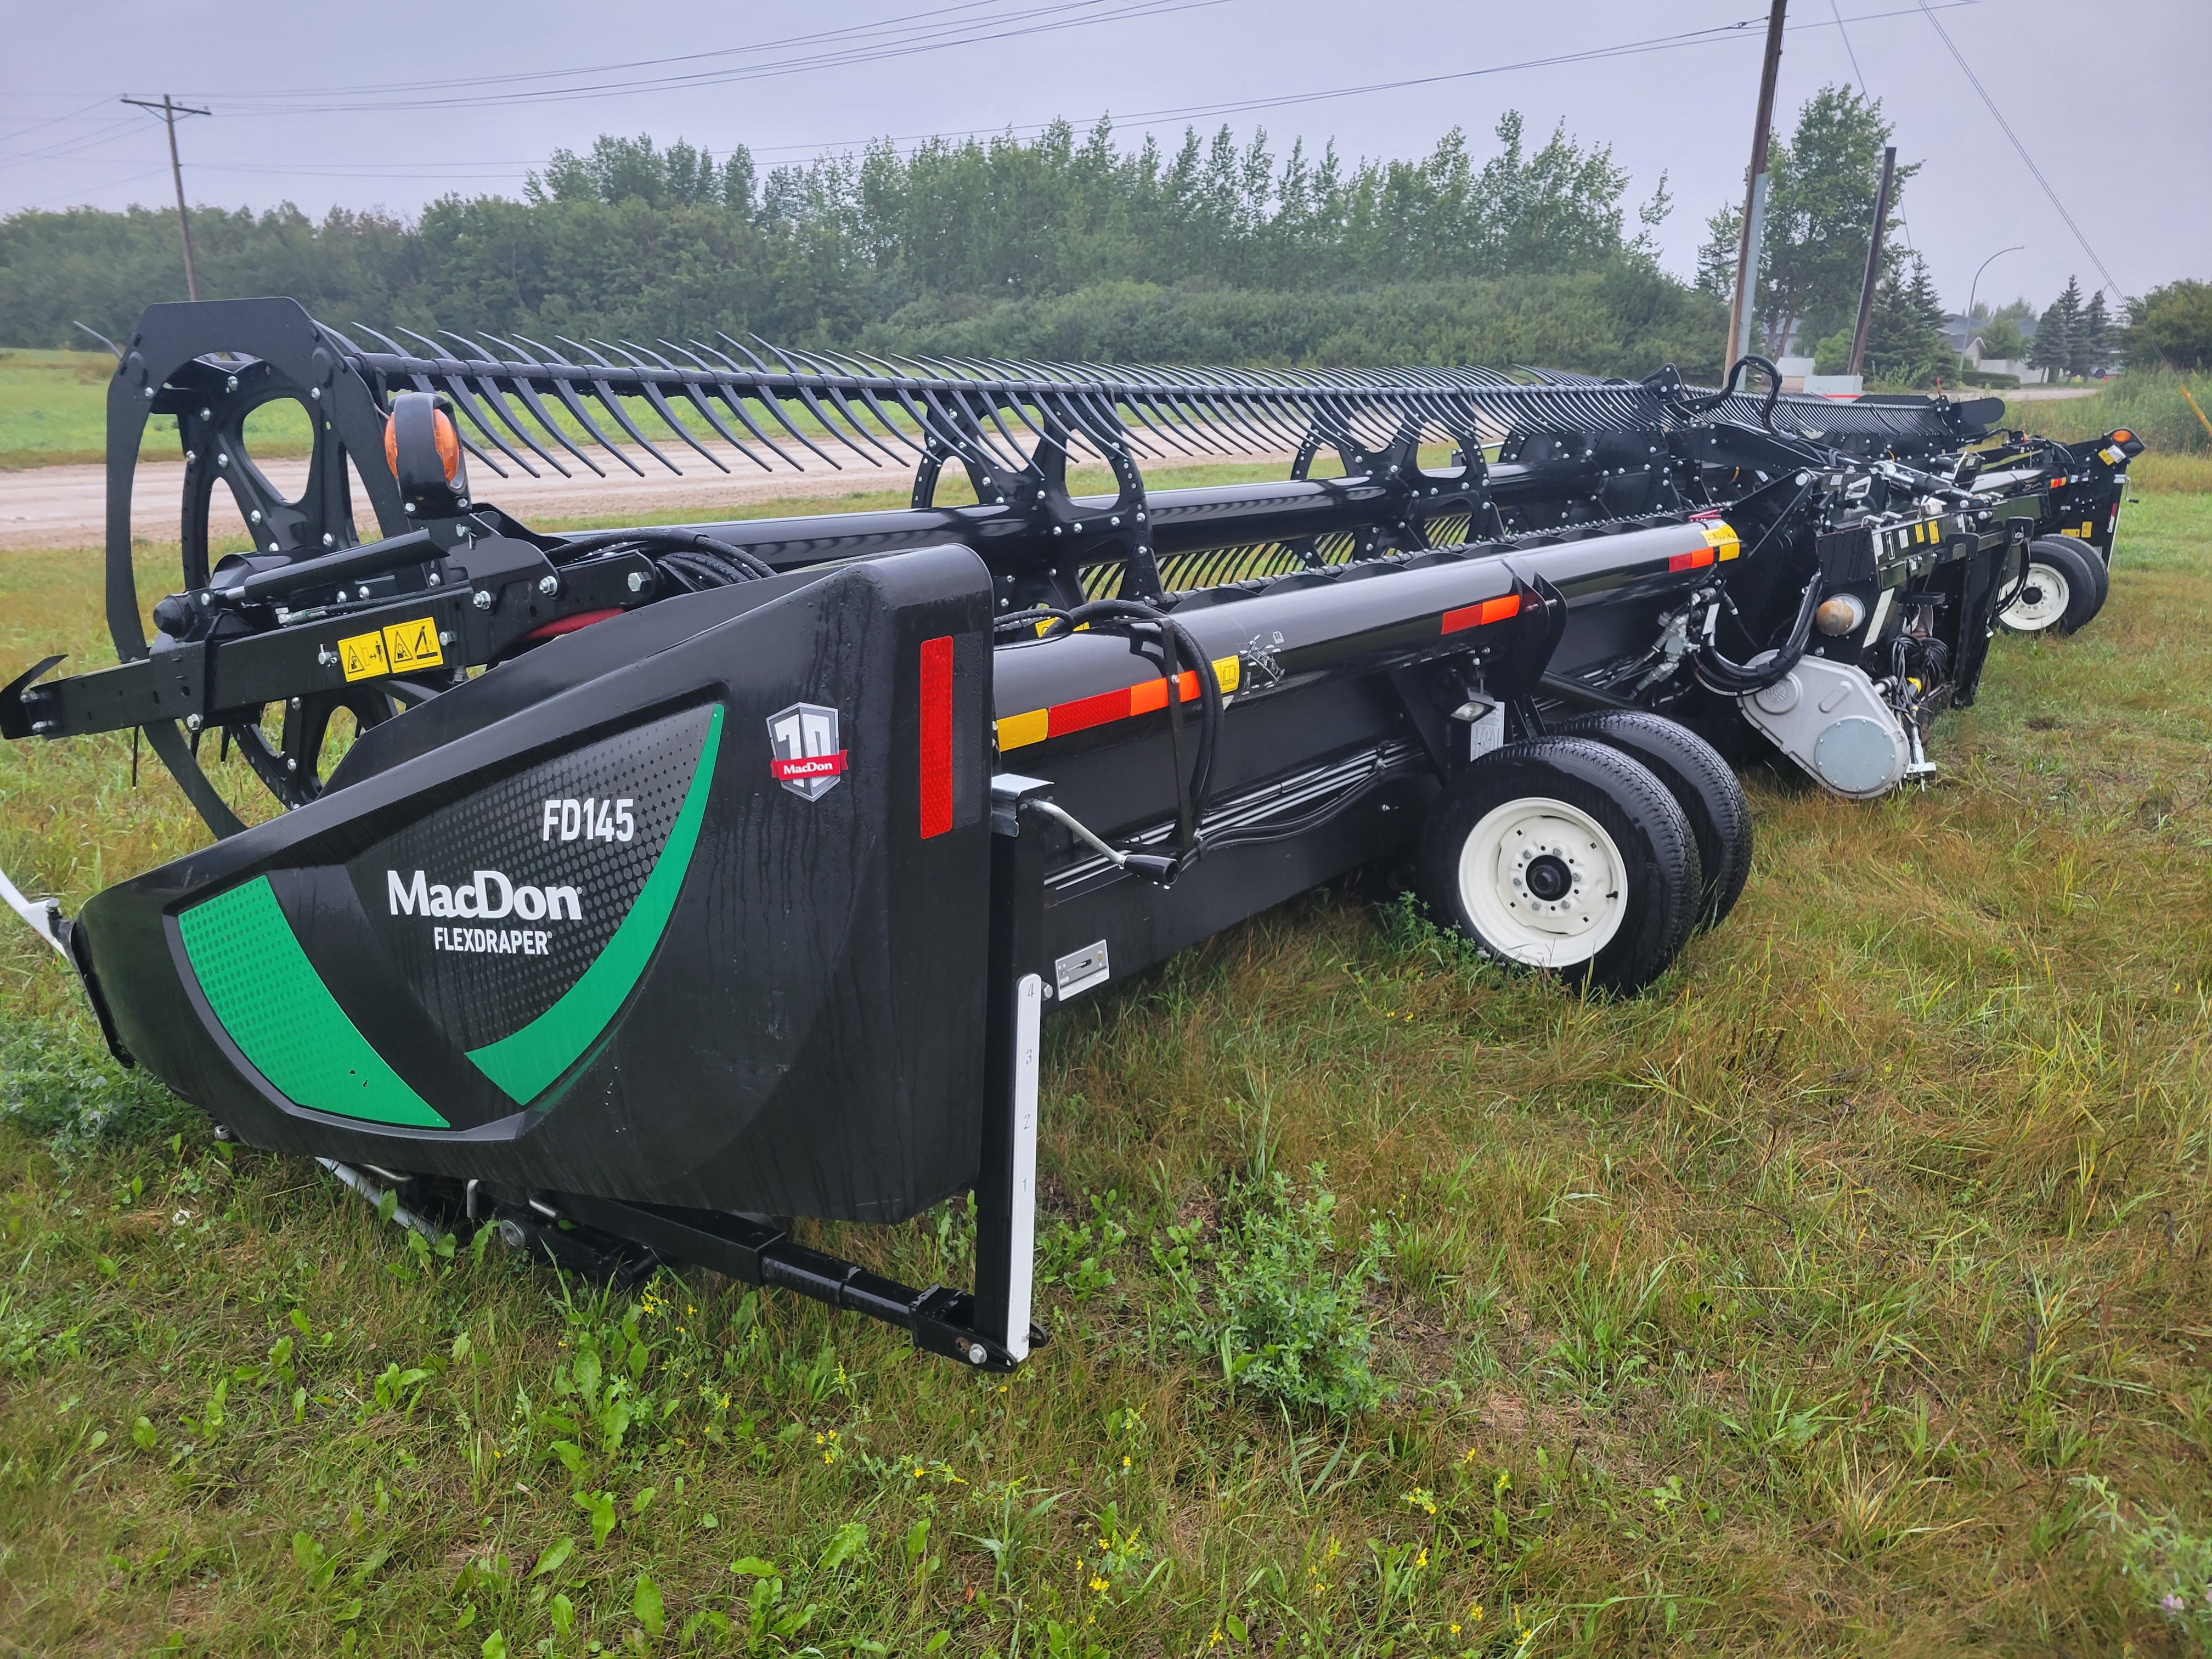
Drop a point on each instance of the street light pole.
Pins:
(169, 112)
(1976, 289)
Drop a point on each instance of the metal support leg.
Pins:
(1005, 1189)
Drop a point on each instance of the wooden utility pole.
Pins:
(1858, 365)
(169, 112)
(1754, 195)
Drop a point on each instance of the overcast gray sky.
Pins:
(358, 105)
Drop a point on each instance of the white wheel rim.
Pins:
(2043, 598)
(1498, 861)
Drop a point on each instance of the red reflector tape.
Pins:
(1474, 616)
(936, 736)
(808, 766)
(1087, 712)
(1695, 560)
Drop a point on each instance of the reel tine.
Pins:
(457, 386)
(1144, 397)
(1264, 408)
(487, 385)
(702, 403)
(517, 375)
(660, 405)
(1004, 392)
(606, 393)
(892, 383)
(988, 390)
(958, 427)
(731, 386)
(1212, 434)
(861, 446)
(773, 401)
(1200, 433)
(804, 392)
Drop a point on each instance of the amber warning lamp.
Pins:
(423, 448)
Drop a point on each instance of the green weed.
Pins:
(1265, 1297)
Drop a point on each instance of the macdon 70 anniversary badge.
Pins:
(807, 760)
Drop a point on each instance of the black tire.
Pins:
(2063, 588)
(1703, 785)
(2091, 560)
(1499, 820)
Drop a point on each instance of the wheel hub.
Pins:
(1547, 877)
(2042, 600)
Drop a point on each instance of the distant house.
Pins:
(1963, 336)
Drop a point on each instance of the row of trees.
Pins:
(1071, 246)
(993, 240)
(2074, 339)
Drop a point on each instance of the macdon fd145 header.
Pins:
(677, 878)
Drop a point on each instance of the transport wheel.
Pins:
(2091, 560)
(1564, 854)
(2061, 591)
(1703, 785)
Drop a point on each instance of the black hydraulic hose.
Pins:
(1123, 612)
(1700, 405)
(1732, 679)
(1718, 674)
(713, 563)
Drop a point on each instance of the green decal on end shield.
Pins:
(283, 1017)
(525, 1063)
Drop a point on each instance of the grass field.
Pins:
(1797, 1307)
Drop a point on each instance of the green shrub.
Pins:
(59, 1085)
(1275, 1310)
(2149, 403)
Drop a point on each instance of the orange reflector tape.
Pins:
(936, 736)
(1696, 559)
(2058, 483)
(1475, 615)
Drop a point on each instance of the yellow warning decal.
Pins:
(412, 645)
(362, 657)
(1721, 536)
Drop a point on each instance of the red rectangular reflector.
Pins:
(936, 736)
(1474, 616)
(1696, 560)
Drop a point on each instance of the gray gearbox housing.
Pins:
(1829, 718)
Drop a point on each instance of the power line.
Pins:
(976, 34)
(906, 24)
(2019, 149)
(1834, 6)
(1142, 118)
(1711, 35)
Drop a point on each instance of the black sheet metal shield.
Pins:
(596, 943)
